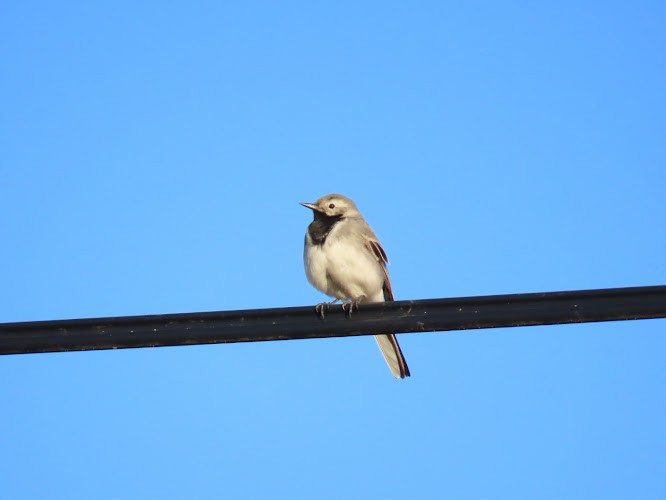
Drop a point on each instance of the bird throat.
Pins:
(321, 226)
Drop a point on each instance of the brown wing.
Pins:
(376, 249)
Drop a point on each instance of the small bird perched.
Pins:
(344, 259)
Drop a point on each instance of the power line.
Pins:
(464, 313)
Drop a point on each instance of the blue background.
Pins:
(153, 155)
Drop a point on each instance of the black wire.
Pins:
(302, 322)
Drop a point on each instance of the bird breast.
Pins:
(343, 268)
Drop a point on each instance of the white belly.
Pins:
(344, 270)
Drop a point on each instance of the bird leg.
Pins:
(323, 307)
(351, 306)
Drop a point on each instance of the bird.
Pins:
(344, 259)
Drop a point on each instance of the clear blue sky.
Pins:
(153, 155)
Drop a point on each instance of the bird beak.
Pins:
(311, 206)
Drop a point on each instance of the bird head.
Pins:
(333, 205)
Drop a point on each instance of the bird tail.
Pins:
(388, 344)
(393, 355)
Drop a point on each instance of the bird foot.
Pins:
(323, 307)
(350, 307)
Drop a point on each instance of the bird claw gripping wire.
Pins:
(351, 306)
(323, 307)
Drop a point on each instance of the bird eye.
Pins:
(332, 205)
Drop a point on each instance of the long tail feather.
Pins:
(390, 348)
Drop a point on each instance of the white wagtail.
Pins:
(344, 259)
